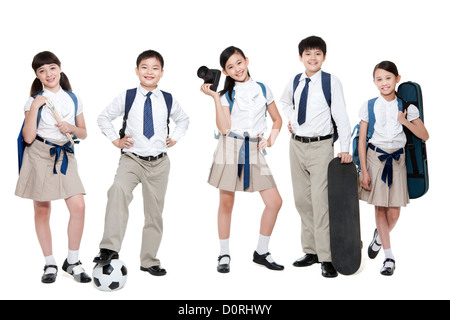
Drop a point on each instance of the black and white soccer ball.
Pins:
(110, 277)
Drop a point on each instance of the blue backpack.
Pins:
(326, 88)
(129, 99)
(21, 144)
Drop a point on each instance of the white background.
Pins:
(98, 43)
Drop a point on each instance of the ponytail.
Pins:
(64, 82)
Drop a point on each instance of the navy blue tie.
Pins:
(148, 117)
(302, 105)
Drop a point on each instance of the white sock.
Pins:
(72, 256)
(375, 246)
(389, 255)
(224, 249)
(50, 260)
(263, 247)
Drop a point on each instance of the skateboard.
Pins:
(345, 232)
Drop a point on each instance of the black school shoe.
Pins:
(328, 270)
(261, 259)
(372, 253)
(105, 256)
(388, 271)
(81, 277)
(225, 267)
(50, 277)
(155, 271)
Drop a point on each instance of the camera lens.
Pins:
(202, 71)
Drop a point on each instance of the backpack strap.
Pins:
(169, 101)
(326, 87)
(294, 86)
(129, 99)
(370, 106)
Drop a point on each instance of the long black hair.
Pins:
(42, 58)
(224, 56)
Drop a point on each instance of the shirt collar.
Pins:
(144, 92)
(314, 78)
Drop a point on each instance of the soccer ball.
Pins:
(110, 277)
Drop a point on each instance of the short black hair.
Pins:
(312, 42)
(150, 54)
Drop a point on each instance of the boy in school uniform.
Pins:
(144, 160)
(312, 121)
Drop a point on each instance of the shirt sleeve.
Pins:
(287, 105)
(364, 112)
(181, 120)
(80, 105)
(111, 112)
(339, 113)
(413, 113)
(269, 95)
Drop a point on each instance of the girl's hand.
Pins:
(124, 143)
(170, 142)
(206, 89)
(64, 127)
(38, 102)
(263, 143)
(402, 118)
(365, 180)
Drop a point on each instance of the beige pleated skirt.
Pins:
(380, 194)
(37, 180)
(224, 169)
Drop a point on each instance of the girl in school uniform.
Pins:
(388, 195)
(239, 164)
(49, 170)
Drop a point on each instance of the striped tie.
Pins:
(302, 105)
(148, 117)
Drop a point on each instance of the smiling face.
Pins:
(150, 73)
(386, 83)
(312, 59)
(237, 68)
(49, 75)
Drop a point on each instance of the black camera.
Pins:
(209, 76)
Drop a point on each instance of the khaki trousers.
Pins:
(309, 172)
(153, 175)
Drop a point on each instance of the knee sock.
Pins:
(224, 249)
(50, 260)
(263, 247)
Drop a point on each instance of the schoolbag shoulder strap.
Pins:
(129, 99)
(326, 87)
(230, 98)
(264, 91)
(295, 85)
(371, 107)
(75, 102)
(40, 109)
(169, 101)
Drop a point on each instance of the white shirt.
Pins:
(318, 116)
(388, 132)
(249, 108)
(65, 107)
(142, 145)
